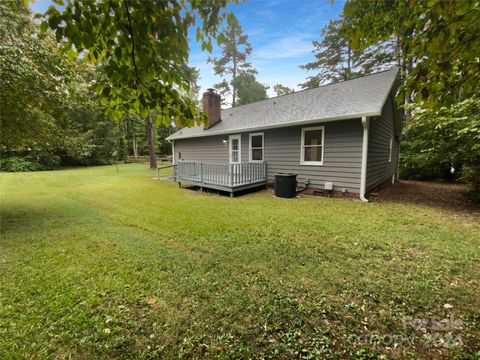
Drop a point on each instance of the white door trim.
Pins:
(239, 138)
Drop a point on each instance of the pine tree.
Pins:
(233, 61)
(336, 61)
(282, 89)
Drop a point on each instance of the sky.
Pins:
(280, 32)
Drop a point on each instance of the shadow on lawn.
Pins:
(24, 219)
(446, 196)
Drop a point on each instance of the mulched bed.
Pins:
(436, 194)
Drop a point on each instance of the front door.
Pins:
(235, 149)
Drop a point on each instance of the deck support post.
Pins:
(179, 184)
(231, 194)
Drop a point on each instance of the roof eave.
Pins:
(280, 125)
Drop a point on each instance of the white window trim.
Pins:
(230, 138)
(250, 147)
(302, 152)
(390, 149)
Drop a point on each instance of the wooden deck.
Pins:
(221, 176)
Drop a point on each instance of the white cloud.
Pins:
(291, 46)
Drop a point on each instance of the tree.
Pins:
(41, 94)
(164, 147)
(438, 44)
(249, 89)
(282, 90)
(192, 74)
(134, 130)
(444, 140)
(233, 62)
(143, 46)
(152, 129)
(335, 60)
(34, 77)
(333, 57)
(50, 115)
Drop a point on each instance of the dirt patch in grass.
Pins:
(445, 196)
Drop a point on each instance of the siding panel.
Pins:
(342, 153)
(381, 130)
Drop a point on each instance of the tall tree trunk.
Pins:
(150, 142)
(406, 65)
(234, 72)
(408, 100)
(349, 61)
(234, 89)
(135, 147)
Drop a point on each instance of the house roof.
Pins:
(363, 96)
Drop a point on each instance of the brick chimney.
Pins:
(211, 106)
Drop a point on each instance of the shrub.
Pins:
(19, 164)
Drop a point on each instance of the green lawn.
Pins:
(100, 264)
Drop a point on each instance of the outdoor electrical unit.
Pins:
(286, 185)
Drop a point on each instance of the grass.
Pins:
(100, 264)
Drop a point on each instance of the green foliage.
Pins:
(19, 164)
(437, 141)
(249, 89)
(164, 147)
(282, 90)
(438, 41)
(192, 75)
(233, 61)
(50, 113)
(335, 60)
(438, 46)
(143, 46)
(35, 91)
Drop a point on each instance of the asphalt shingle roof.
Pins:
(364, 96)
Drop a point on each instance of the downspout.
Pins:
(398, 162)
(173, 151)
(363, 174)
(173, 161)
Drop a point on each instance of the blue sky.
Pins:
(280, 31)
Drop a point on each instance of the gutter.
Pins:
(363, 174)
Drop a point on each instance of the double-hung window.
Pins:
(256, 147)
(312, 145)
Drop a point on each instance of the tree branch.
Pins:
(133, 43)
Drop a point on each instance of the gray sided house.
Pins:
(344, 135)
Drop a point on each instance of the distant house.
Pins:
(344, 135)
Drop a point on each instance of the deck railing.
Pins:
(224, 174)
